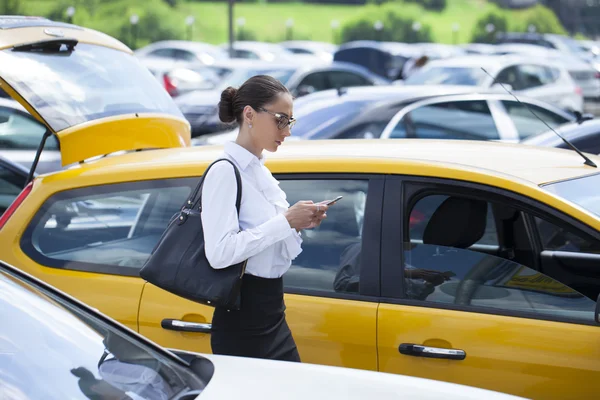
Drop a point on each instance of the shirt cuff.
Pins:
(292, 245)
(276, 227)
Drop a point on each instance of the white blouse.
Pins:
(266, 239)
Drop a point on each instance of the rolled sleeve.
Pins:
(292, 245)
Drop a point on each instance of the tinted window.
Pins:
(299, 50)
(447, 76)
(557, 238)
(238, 53)
(20, 131)
(318, 81)
(449, 266)
(533, 76)
(526, 122)
(11, 185)
(345, 79)
(54, 350)
(510, 76)
(319, 119)
(470, 120)
(581, 191)
(184, 55)
(336, 241)
(114, 226)
(164, 53)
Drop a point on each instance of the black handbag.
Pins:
(178, 263)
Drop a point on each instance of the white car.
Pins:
(55, 348)
(540, 79)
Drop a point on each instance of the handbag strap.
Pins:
(192, 203)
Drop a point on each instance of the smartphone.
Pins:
(334, 200)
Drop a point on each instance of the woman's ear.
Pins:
(248, 115)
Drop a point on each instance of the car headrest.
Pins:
(457, 222)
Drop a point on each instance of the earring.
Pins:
(250, 126)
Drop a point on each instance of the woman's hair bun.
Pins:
(226, 109)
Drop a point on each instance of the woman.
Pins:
(267, 231)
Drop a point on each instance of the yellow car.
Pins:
(468, 262)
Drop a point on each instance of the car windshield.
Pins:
(448, 76)
(582, 191)
(69, 88)
(53, 349)
(315, 119)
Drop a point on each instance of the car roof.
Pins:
(569, 131)
(486, 61)
(530, 165)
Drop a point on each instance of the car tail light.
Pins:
(170, 86)
(597, 75)
(578, 91)
(15, 204)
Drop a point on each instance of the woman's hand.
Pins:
(306, 214)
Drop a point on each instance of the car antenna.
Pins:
(587, 160)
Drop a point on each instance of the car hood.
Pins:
(250, 379)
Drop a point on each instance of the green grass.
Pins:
(266, 21)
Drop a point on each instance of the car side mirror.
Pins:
(304, 90)
(597, 310)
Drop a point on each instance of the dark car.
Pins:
(585, 136)
(428, 112)
(200, 106)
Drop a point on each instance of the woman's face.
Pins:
(268, 120)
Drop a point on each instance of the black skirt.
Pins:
(259, 328)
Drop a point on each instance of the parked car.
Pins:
(562, 43)
(424, 112)
(479, 305)
(585, 136)
(13, 178)
(167, 54)
(252, 50)
(322, 50)
(20, 137)
(585, 75)
(200, 106)
(540, 79)
(90, 356)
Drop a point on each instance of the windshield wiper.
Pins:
(50, 45)
(587, 161)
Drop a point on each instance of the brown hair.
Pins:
(256, 92)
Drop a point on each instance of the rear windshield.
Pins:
(69, 88)
(585, 192)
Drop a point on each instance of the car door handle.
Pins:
(417, 350)
(184, 326)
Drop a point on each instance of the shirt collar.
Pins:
(242, 156)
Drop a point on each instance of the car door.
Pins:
(91, 242)
(451, 119)
(466, 297)
(331, 288)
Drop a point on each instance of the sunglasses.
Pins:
(282, 120)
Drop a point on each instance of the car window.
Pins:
(336, 241)
(20, 131)
(582, 191)
(298, 50)
(55, 350)
(239, 53)
(557, 238)
(510, 76)
(471, 120)
(111, 228)
(526, 122)
(11, 184)
(316, 119)
(339, 79)
(533, 76)
(184, 55)
(317, 80)
(163, 53)
(447, 265)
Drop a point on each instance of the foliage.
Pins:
(487, 26)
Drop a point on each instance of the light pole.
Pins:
(230, 2)
(335, 24)
(133, 20)
(490, 28)
(455, 29)
(70, 14)
(289, 26)
(531, 28)
(416, 27)
(378, 26)
(189, 22)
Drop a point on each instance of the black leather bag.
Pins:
(178, 263)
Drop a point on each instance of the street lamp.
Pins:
(416, 26)
(489, 28)
(455, 29)
(335, 24)
(531, 28)
(133, 20)
(189, 21)
(378, 26)
(70, 14)
(289, 25)
(241, 22)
